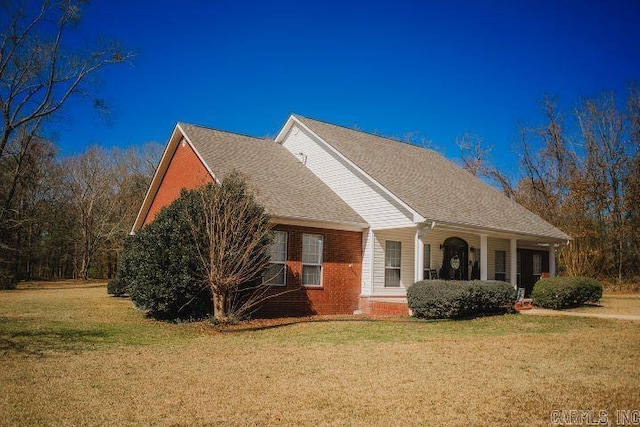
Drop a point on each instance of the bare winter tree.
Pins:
(40, 71)
(232, 235)
(581, 180)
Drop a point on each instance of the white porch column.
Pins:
(419, 256)
(552, 259)
(513, 264)
(483, 257)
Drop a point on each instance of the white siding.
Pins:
(376, 207)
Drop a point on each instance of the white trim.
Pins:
(314, 223)
(552, 260)
(417, 218)
(484, 251)
(386, 267)
(372, 260)
(184, 134)
(490, 232)
(321, 265)
(513, 261)
(284, 264)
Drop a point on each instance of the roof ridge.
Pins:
(225, 131)
(388, 138)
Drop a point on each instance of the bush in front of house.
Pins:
(563, 292)
(447, 299)
(159, 269)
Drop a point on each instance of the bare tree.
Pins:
(232, 235)
(39, 74)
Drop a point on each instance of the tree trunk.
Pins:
(219, 304)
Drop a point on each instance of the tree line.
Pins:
(68, 216)
(580, 170)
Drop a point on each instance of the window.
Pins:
(426, 262)
(501, 265)
(311, 260)
(537, 264)
(276, 274)
(392, 256)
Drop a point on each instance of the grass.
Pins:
(74, 356)
(613, 304)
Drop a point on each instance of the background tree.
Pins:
(40, 71)
(582, 176)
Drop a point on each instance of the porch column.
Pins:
(419, 256)
(513, 264)
(552, 259)
(483, 257)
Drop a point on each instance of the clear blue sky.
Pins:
(439, 68)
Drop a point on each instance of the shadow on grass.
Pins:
(39, 343)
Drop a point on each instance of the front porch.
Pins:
(394, 259)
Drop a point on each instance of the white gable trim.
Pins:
(177, 136)
(417, 218)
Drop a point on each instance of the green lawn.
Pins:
(74, 356)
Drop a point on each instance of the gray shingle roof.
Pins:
(433, 186)
(281, 182)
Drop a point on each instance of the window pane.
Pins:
(537, 264)
(278, 250)
(427, 257)
(392, 254)
(274, 275)
(311, 249)
(311, 275)
(392, 277)
(501, 262)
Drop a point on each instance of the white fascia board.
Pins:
(315, 223)
(285, 128)
(177, 135)
(417, 218)
(167, 154)
(490, 232)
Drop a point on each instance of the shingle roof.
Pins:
(281, 182)
(435, 187)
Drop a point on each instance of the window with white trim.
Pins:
(537, 264)
(392, 259)
(426, 262)
(276, 274)
(312, 245)
(501, 265)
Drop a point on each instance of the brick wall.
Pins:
(185, 171)
(342, 270)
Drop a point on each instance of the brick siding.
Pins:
(185, 171)
(341, 275)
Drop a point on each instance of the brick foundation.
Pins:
(383, 307)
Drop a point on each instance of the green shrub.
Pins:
(563, 292)
(159, 268)
(116, 287)
(440, 299)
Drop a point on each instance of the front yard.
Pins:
(75, 356)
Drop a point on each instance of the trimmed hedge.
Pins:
(445, 299)
(563, 292)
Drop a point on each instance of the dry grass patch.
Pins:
(118, 368)
(614, 304)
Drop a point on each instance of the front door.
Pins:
(455, 265)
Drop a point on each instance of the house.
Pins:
(358, 218)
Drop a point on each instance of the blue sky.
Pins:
(438, 68)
